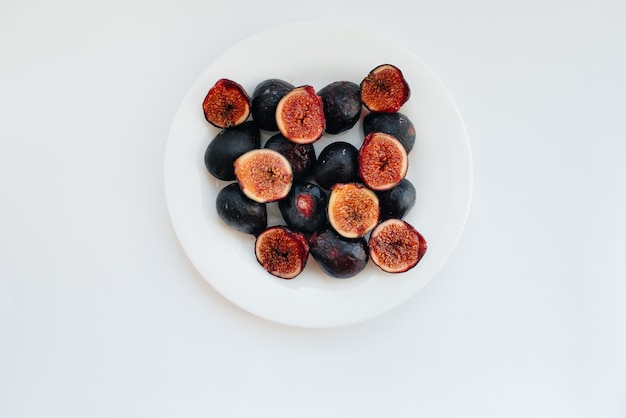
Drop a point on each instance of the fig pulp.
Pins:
(396, 124)
(226, 104)
(301, 156)
(353, 209)
(264, 101)
(337, 163)
(282, 252)
(396, 246)
(342, 105)
(240, 212)
(383, 161)
(397, 201)
(228, 145)
(338, 256)
(300, 115)
(304, 208)
(264, 175)
(385, 89)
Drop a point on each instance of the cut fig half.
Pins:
(385, 89)
(264, 175)
(300, 115)
(226, 104)
(353, 209)
(396, 246)
(281, 251)
(383, 161)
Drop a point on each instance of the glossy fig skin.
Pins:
(228, 145)
(398, 201)
(337, 256)
(264, 101)
(301, 156)
(304, 208)
(396, 124)
(337, 163)
(342, 105)
(239, 212)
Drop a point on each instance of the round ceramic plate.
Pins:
(440, 169)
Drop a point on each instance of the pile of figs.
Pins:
(343, 206)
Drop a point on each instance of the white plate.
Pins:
(440, 168)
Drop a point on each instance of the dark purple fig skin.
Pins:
(228, 145)
(240, 212)
(342, 105)
(396, 124)
(304, 208)
(264, 100)
(396, 202)
(301, 156)
(337, 163)
(337, 256)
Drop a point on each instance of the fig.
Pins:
(226, 104)
(342, 105)
(304, 208)
(281, 251)
(301, 156)
(353, 209)
(300, 115)
(264, 101)
(396, 124)
(397, 201)
(228, 145)
(396, 246)
(240, 212)
(383, 161)
(264, 175)
(336, 163)
(338, 256)
(385, 89)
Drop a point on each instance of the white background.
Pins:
(102, 314)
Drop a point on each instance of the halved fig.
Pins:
(300, 115)
(385, 89)
(383, 161)
(281, 251)
(226, 104)
(353, 209)
(396, 246)
(264, 175)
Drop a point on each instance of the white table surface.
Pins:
(103, 315)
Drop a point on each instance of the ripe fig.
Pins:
(342, 105)
(300, 115)
(304, 208)
(282, 252)
(228, 145)
(336, 163)
(264, 175)
(383, 161)
(226, 104)
(396, 124)
(397, 201)
(264, 101)
(396, 246)
(240, 212)
(385, 89)
(353, 209)
(338, 256)
(301, 156)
